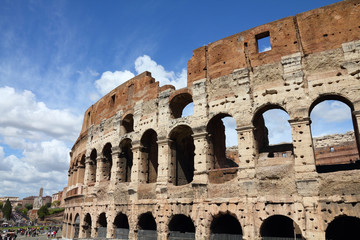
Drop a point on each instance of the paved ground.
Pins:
(40, 237)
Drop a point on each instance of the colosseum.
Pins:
(140, 169)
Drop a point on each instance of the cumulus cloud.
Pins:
(329, 117)
(145, 63)
(279, 129)
(27, 118)
(110, 80)
(331, 111)
(230, 131)
(36, 139)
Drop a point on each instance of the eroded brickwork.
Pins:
(139, 168)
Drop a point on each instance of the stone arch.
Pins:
(92, 166)
(181, 226)
(343, 227)
(86, 227)
(121, 226)
(127, 123)
(147, 227)
(107, 162)
(261, 134)
(126, 159)
(182, 147)
(225, 160)
(149, 156)
(76, 225)
(101, 225)
(225, 225)
(178, 103)
(327, 151)
(279, 226)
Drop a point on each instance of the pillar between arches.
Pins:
(304, 165)
(115, 169)
(87, 170)
(201, 160)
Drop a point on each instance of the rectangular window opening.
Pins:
(112, 100)
(332, 149)
(263, 42)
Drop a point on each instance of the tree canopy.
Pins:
(43, 212)
(7, 208)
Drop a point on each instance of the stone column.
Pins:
(99, 169)
(80, 174)
(87, 170)
(94, 227)
(247, 157)
(136, 175)
(201, 160)
(356, 117)
(165, 173)
(74, 176)
(115, 169)
(69, 178)
(110, 230)
(304, 165)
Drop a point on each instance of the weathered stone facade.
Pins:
(138, 166)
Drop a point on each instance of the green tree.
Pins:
(55, 203)
(43, 212)
(1, 205)
(48, 205)
(28, 206)
(7, 210)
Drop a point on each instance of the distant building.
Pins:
(28, 200)
(57, 197)
(13, 200)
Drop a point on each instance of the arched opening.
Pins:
(128, 123)
(92, 166)
(181, 227)
(343, 227)
(179, 103)
(102, 225)
(272, 133)
(147, 226)
(223, 147)
(182, 159)
(86, 228)
(334, 134)
(107, 162)
(126, 159)
(121, 225)
(225, 226)
(149, 156)
(76, 226)
(280, 227)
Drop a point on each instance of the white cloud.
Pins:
(279, 129)
(331, 111)
(27, 118)
(110, 80)
(145, 63)
(230, 131)
(36, 140)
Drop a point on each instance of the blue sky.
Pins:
(58, 57)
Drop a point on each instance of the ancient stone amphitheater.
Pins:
(141, 170)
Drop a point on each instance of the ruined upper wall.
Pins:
(310, 32)
(123, 98)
